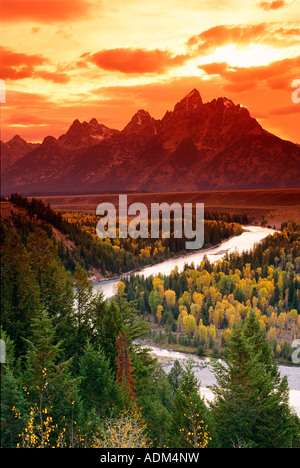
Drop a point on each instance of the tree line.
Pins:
(116, 256)
(201, 305)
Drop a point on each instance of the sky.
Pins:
(63, 60)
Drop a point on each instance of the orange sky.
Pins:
(68, 59)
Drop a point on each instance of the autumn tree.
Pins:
(170, 297)
(128, 430)
(125, 373)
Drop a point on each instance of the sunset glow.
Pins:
(63, 60)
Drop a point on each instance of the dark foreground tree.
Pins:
(251, 406)
(125, 377)
(190, 425)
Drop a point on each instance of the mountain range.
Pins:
(215, 145)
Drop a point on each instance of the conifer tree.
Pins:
(109, 325)
(135, 327)
(13, 403)
(251, 402)
(175, 375)
(97, 383)
(47, 380)
(55, 285)
(189, 411)
(83, 297)
(20, 296)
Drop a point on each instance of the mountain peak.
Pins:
(76, 123)
(191, 102)
(17, 138)
(142, 114)
(93, 121)
(141, 119)
(226, 102)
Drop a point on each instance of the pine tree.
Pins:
(83, 297)
(55, 285)
(97, 383)
(109, 324)
(135, 327)
(251, 400)
(190, 414)
(47, 380)
(20, 298)
(13, 403)
(175, 375)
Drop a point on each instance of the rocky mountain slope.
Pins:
(198, 146)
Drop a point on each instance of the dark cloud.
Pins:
(135, 61)
(18, 66)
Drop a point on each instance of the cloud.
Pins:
(55, 77)
(136, 61)
(275, 5)
(209, 40)
(276, 75)
(18, 66)
(24, 99)
(25, 121)
(44, 11)
(292, 109)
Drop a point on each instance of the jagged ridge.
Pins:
(198, 146)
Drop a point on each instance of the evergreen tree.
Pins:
(97, 387)
(251, 401)
(83, 298)
(20, 297)
(134, 326)
(13, 403)
(109, 325)
(174, 376)
(47, 380)
(190, 413)
(55, 285)
(154, 394)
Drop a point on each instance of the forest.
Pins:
(114, 256)
(199, 307)
(75, 376)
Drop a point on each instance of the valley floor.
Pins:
(270, 207)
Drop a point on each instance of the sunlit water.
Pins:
(203, 371)
(246, 241)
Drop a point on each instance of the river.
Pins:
(205, 375)
(246, 241)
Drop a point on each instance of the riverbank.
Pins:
(190, 350)
(172, 255)
(250, 236)
(204, 372)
